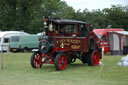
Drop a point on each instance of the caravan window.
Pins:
(99, 36)
(104, 38)
(6, 40)
(15, 39)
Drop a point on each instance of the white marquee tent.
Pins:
(118, 42)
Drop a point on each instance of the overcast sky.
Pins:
(94, 4)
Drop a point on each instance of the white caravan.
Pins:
(5, 38)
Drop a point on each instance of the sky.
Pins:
(94, 4)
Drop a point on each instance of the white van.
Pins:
(5, 39)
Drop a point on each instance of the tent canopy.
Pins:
(120, 32)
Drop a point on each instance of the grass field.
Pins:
(17, 71)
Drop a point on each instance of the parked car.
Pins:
(63, 42)
(104, 37)
(5, 38)
(24, 43)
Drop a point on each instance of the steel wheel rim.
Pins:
(62, 62)
(95, 58)
(37, 60)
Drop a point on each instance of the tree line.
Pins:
(27, 15)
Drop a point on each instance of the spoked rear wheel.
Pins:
(36, 60)
(94, 58)
(60, 61)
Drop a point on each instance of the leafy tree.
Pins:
(117, 15)
(27, 11)
(64, 11)
(7, 14)
(49, 7)
(27, 14)
(17, 14)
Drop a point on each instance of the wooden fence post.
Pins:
(102, 63)
(1, 57)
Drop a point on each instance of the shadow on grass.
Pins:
(51, 67)
(76, 66)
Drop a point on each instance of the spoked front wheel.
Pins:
(60, 61)
(36, 60)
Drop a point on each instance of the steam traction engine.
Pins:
(64, 41)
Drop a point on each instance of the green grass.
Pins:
(18, 71)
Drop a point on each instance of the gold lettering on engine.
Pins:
(71, 41)
(75, 46)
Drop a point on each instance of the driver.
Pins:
(63, 29)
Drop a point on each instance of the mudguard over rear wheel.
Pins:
(94, 58)
(36, 60)
(60, 61)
